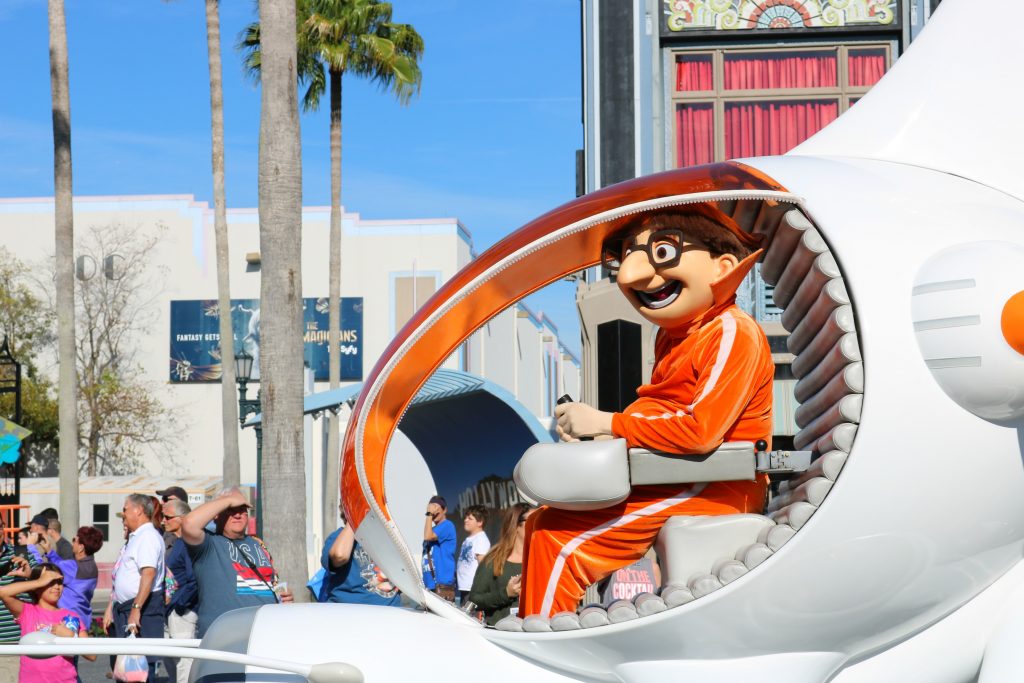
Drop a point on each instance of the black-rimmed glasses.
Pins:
(664, 248)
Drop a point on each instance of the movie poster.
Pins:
(195, 337)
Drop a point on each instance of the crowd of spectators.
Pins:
(177, 571)
(482, 578)
(46, 583)
(180, 568)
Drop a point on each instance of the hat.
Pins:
(175, 491)
(440, 501)
(40, 520)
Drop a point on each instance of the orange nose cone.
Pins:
(1012, 322)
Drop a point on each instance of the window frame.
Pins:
(103, 525)
(844, 94)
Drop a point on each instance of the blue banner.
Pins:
(195, 337)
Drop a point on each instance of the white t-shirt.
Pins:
(477, 544)
(145, 548)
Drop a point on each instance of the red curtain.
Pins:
(769, 128)
(866, 67)
(693, 72)
(770, 71)
(695, 134)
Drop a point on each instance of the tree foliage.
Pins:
(30, 329)
(346, 36)
(121, 417)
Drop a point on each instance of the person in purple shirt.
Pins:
(80, 573)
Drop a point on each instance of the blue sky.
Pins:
(491, 139)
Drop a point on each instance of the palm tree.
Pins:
(64, 235)
(280, 216)
(229, 408)
(336, 37)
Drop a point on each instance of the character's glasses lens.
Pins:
(663, 249)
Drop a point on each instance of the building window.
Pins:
(765, 101)
(101, 519)
(411, 293)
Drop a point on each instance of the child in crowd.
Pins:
(473, 548)
(45, 584)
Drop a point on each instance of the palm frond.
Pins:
(346, 36)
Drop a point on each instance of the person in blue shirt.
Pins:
(439, 550)
(351, 575)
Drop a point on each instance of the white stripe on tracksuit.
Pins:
(571, 546)
(724, 349)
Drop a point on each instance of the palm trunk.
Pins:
(65, 240)
(280, 211)
(332, 475)
(229, 406)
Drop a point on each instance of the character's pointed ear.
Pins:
(724, 288)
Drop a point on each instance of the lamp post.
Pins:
(10, 383)
(246, 407)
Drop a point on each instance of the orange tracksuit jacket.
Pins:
(711, 383)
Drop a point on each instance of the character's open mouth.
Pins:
(660, 298)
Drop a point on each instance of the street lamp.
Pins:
(246, 407)
(10, 383)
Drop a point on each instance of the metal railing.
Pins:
(41, 644)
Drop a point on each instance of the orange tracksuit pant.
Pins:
(566, 551)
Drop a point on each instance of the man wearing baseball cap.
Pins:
(172, 492)
(439, 550)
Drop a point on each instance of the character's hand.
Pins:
(286, 595)
(433, 508)
(108, 617)
(579, 419)
(515, 586)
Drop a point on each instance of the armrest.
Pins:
(585, 475)
(591, 475)
(732, 461)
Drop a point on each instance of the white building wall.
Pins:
(184, 267)
(508, 350)
(530, 369)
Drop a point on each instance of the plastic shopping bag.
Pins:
(131, 668)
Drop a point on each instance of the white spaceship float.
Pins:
(895, 242)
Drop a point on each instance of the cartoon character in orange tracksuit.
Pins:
(711, 383)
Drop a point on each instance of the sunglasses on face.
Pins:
(522, 519)
(168, 518)
(664, 248)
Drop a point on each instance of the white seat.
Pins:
(689, 546)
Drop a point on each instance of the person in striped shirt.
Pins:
(711, 383)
